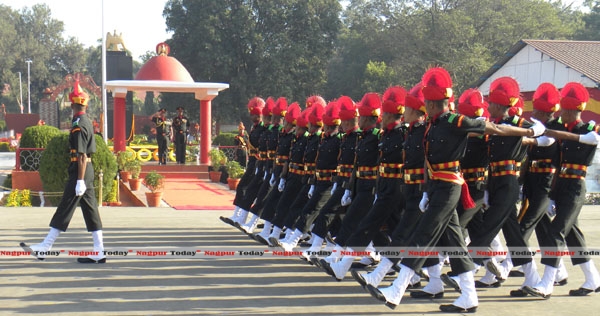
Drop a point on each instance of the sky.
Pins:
(140, 21)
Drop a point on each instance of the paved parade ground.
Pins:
(200, 285)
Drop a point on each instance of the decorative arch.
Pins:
(85, 81)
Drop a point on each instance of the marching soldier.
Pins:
(389, 199)
(568, 195)
(79, 189)
(255, 108)
(181, 124)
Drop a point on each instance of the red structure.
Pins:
(163, 73)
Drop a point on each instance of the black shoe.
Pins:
(516, 273)
(274, 241)
(518, 293)
(423, 294)
(455, 309)
(28, 249)
(260, 226)
(536, 292)
(379, 296)
(358, 277)
(420, 273)
(260, 239)
(316, 262)
(414, 286)
(482, 285)
(226, 220)
(360, 265)
(325, 266)
(582, 291)
(450, 282)
(90, 260)
(493, 268)
(561, 282)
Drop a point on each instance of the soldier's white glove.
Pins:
(591, 138)
(281, 185)
(537, 127)
(256, 171)
(424, 202)
(551, 211)
(311, 191)
(273, 180)
(333, 188)
(80, 188)
(347, 198)
(521, 195)
(375, 199)
(545, 141)
(486, 199)
(265, 176)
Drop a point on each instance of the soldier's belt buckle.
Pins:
(357, 173)
(407, 177)
(381, 169)
(318, 174)
(563, 170)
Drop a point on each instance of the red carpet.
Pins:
(197, 194)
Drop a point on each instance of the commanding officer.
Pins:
(389, 199)
(181, 124)
(413, 178)
(255, 107)
(363, 182)
(79, 189)
(274, 130)
(345, 164)
(163, 131)
(568, 194)
(446, 140)
(321, 183)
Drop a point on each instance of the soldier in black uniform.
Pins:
(163, 132)
(321, 183)
(290, 182)
(360, 191)
(389, 199)
(282, 157)
(255, 107)
(279, 110)
(446, 140)
(289, 218)
(241, 143)
(79, 189)
(181, 124)
(568, 195)
(413, 179)
(349, 124)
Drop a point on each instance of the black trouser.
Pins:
(466, 216)
(439, 225)
(244, 181)
(163, 149)
(502, 214)
(409, 218)
(68, 203)
(288, 219)
(252, 190)
(536, 190)
(361, 203)
(263, 191)
(329, 212)
(564, 230)
(309, 213)
(390, 200)
(180, 142)
(282, 204)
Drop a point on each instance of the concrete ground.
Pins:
(200, 285)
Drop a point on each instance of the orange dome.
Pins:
(163, 67)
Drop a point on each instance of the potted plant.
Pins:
(235, 172)
(134, 167)
(122, 158)
(217, 160)
(155, 182)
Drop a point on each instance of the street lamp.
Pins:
(20, 94)
(28, 61)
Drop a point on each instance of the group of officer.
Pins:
(412, 170)
(175, 129)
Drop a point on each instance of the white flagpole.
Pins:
(104, 106)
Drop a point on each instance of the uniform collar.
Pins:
(572, 125)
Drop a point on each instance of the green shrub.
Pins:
(2, 125)
(55, 162)
(38, 136)
(224, 139)
(8, 182)
(4, 147)
(234, 169)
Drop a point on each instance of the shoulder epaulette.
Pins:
(516, 119)
(451, 117)
(261, 123)
(280, 128)
(559, 120)
(339, 135)
(306, 134)
(376, 131)
(318, 133)
(591, 126)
